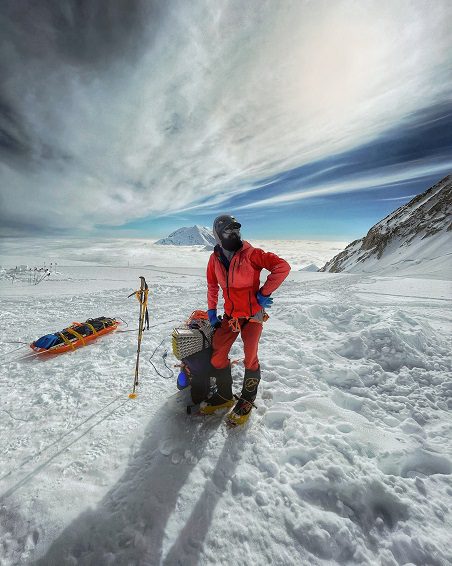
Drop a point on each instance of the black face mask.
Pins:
(231, 242)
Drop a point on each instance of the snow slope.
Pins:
(416, 233)
(347, 459)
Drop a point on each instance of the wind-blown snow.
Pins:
(347, 459)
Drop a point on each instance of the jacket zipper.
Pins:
(227, 283)
(249, 300)
(232, 272)
(227, 289)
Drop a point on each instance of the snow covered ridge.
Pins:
(192, 236)
(418, 232)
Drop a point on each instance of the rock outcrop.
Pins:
(426, 216)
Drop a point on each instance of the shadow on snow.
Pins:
(129, 526)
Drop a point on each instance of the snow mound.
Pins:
(189, 236)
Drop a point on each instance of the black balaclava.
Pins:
(231, 242)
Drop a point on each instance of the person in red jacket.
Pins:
(235, 266)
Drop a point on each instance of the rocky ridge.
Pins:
(423, 217)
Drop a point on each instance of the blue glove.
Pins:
(264, 301)
(215, 322)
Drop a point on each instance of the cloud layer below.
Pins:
(125, 110)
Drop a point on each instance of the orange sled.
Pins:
(75, 336)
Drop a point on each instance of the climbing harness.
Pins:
(234, 324)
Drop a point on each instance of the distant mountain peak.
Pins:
(406, 235)
(189, 236)
(311, 267)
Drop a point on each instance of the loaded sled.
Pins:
(76, 335)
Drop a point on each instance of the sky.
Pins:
(304, 119)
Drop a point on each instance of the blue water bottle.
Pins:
(182, 380)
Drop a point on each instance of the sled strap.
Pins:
(91, 327)
(76, 334)
(65, 340)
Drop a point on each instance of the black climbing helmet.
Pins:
(222, 223)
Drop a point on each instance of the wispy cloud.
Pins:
(387, 176)
(179, 105)
(399, 198)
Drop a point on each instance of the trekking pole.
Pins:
(142, 296)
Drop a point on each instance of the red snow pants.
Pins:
(224, 337)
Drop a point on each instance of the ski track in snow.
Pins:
(347, 459)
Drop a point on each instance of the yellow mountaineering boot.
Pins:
(222, 398)
(242, 410)
(214, 404)
(240, 413)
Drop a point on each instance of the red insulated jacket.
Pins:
(241, 283)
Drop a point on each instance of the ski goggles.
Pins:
(228, 232)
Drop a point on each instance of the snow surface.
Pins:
(429, 256)
(347, 459)
(310, 267)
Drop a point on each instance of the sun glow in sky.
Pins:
(307, 119)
